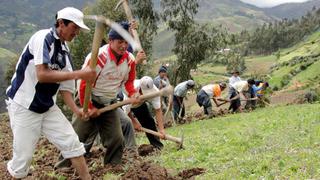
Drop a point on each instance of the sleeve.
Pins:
(156, 82)
(82, 86)
(40, 47)
(68, 85)
(156, 102)
(129, 84)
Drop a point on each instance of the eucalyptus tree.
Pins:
(192, 41)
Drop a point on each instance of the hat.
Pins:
(190, 83)
(222, 84)
(163, 69)
(115, 35)
(235, 71)
(146, 85)
(74, 15)
(251, 81)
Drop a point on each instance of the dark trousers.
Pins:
(127, 131)
(177, 107)
(203, 99)
(234, 104)
(143, 115)
(109, 128)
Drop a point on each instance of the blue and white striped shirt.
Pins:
(44, 47)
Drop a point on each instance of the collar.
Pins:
(113, 57)
(54, 32)
(55, 35)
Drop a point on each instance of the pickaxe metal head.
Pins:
(119, 4)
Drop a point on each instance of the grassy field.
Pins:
(270, 143)
(259, 64)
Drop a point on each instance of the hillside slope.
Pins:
(292, 10)
(298, 66)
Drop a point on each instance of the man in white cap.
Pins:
(44, 69)
(140, 114)
(179, 93)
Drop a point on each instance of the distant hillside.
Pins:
(5, 57)
(233, 15)
(292, 10)
(19, 19)
(298, 66)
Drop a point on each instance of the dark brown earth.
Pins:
(46, 155)
(146, 149)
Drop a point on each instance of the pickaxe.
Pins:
(163, 92)
(128, 13)
(179, 141)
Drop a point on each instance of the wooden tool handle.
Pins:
(168, 137)
(97, 39)
(164, 91)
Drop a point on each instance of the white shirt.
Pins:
(44, 47)
(155, 102)
(181, 89)
(234, 79)
(241, 86)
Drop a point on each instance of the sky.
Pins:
(270, 3)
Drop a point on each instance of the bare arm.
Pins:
(136, 124)
(159, 119)
(46, 75)
(68, 99)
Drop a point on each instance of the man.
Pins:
(257, 92)
(142, 116)
(162, 81)
(115, 69)
(43, 69)
(208, 92)
(238, 88)
(234, 78)
(179, 93)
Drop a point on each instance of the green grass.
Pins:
(309, 74)
(278, 75)
(259, 64)
(270, 143)
(307, 47)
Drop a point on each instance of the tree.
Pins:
(83, 43)
(192, 41)
(148, 19)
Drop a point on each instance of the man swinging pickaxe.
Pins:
(128, 13)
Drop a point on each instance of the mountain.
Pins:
(291, 10)
(234, 15)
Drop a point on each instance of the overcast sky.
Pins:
(270, 3)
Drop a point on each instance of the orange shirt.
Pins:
(213, 90)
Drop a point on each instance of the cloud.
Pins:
(270, 3)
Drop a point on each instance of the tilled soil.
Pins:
(46, 155)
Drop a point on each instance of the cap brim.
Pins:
(148, 91)
(83, 27)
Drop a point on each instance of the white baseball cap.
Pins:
(146, 85)
(74, 15)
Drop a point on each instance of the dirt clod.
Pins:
(146, 149)
(147, 170)
(188, 173)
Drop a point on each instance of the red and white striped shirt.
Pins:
(111, 75)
